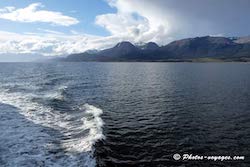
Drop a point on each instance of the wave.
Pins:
(78, 130)
(58, 94)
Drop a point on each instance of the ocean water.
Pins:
(123, 114)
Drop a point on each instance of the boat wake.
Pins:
(38, 134)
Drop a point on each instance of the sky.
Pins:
(63, 27)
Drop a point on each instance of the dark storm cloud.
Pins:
(207, 17)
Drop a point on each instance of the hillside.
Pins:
(190, 49)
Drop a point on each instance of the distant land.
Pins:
(199, 49)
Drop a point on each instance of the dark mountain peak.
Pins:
(122, 48)
(180, 43)
(124, 44)
(147, 46)
(201, 41)
(213, 40)
(151, 46)
(220, 40)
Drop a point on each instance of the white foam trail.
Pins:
(31, 110)
(81, 129)
(58, 94)
(92, 122)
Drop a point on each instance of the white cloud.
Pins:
(52, 44)
(74, 32)
(137, 21)
(32, 13)
(50, 31)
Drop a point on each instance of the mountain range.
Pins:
(205, 48)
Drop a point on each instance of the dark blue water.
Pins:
(123, 114)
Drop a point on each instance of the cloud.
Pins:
(135, 23)
(32, 13)
(50, 31)
(162, 21)
(52, 44)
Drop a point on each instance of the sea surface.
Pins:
(123, 114)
